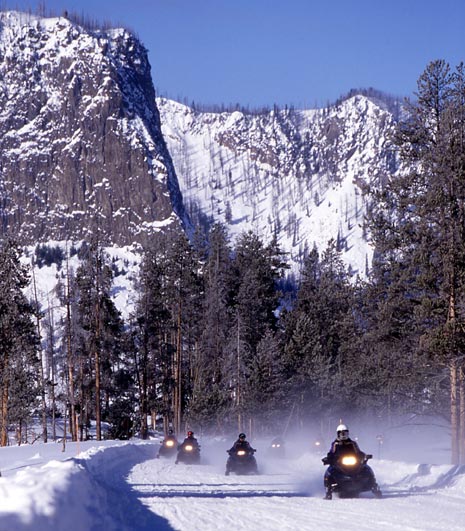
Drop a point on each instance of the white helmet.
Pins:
(342, 432)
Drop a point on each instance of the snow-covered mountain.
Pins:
(299, 175)
(86, 147)
(80, 140)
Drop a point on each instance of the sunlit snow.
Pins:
(121, 486)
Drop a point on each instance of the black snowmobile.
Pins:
(188, 453)
(277, 449)
(241, 461)
(349, 475)
(169, 447)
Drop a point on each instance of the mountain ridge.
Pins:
(88, 148)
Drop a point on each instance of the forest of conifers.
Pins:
(223, 338)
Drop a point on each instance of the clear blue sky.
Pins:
(296, 52)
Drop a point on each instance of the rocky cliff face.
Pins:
(300, 176)
(80, 139)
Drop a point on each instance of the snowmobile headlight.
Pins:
(241, 452)
(317, 443)
(349, 460)
(170, 443)
(189, 448)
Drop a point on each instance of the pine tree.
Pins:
(210, 393)
(100, 329)
(18, 342)
(182, 293)
(254, 299)
(264, 389)
(419, 222)
(317, 332)
(150, 329)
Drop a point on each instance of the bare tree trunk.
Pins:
(454, 403)
(238, 387)
(4, 412)
(69, 357)
(144, 405)
(462, 415)
(98, 419)
(51, 365)
(19, 433)
(79, 414)
(53, 399)
(140, 371)
(178, 374)
(63, 447)
(41, 364)
(454, 416)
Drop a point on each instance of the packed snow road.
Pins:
(125, 487)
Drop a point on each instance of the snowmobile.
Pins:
(241, 461)
(350, 475)
(169, 447)
(277, 449)
(188, 453)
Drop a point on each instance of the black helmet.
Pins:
(190, 433)
(241, 435)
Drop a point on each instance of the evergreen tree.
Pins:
(18, 342)
(182, 291)
(264, 386)
(254, 300)
(210, 394)
(418, 222)
(317, 332)
(152, 350)
(100, 329)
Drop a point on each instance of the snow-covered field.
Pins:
(121, 486)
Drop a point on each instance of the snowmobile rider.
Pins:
(344, 445)
(192, 446)
(170, 436)
(190, 439)
(241, 444)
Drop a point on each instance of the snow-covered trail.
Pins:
(288, 496)
(123, 487)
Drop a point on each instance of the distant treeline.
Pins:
(390, 102)
(88, 23)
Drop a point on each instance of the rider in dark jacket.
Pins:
(342, 445)
(241, 444)
(190, 439)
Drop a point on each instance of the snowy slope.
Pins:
(125, 261)
(119, 486)
(301, 175)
